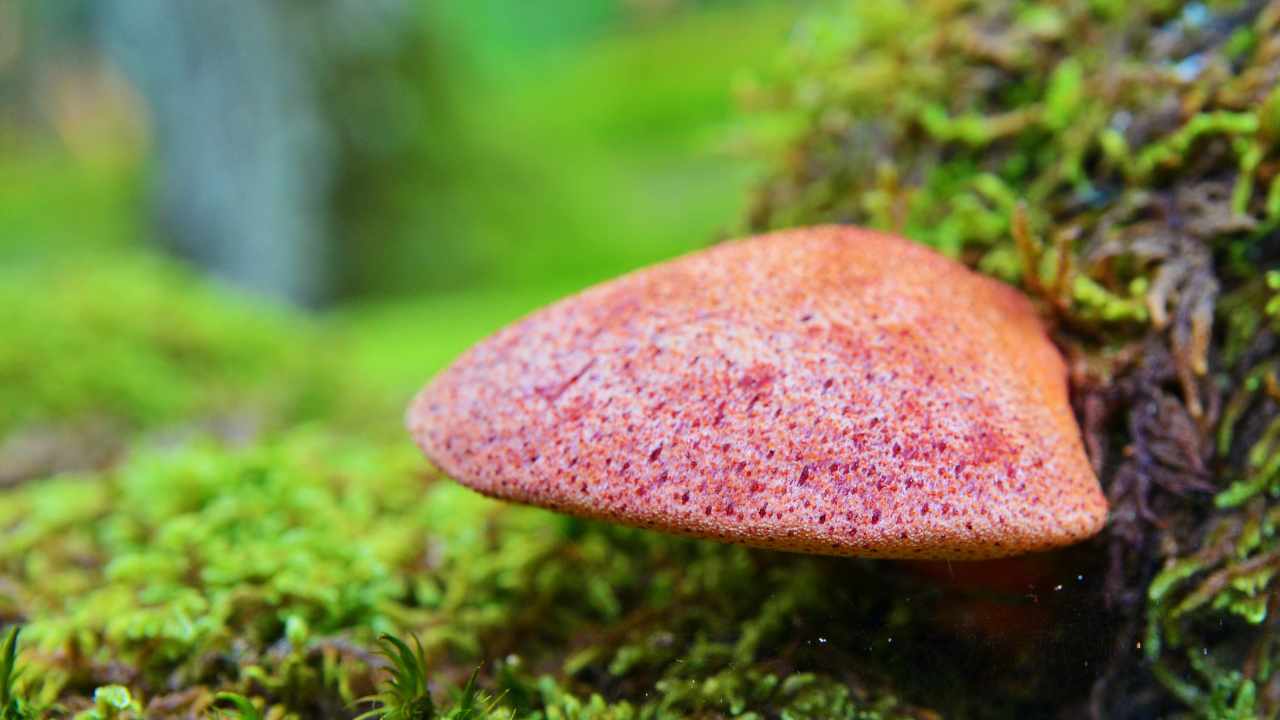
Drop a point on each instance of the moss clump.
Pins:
(181, 562)
(95, 351)
(269, 571)
(1122, 162)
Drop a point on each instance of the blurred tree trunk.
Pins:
(244, 165)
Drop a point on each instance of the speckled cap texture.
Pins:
(825, 390)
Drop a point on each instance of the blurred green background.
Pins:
(418, 171)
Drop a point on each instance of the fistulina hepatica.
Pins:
(824, 390)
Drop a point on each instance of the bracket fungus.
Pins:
(826, 390)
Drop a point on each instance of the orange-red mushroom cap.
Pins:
(827, 390)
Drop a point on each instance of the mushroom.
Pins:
(825, 390)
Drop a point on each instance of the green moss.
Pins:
(1133, 193)
(139, 343)
(177, 553)
(406, 694)
(12, 706)
(98, 353)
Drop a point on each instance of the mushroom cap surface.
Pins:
(826, 390)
